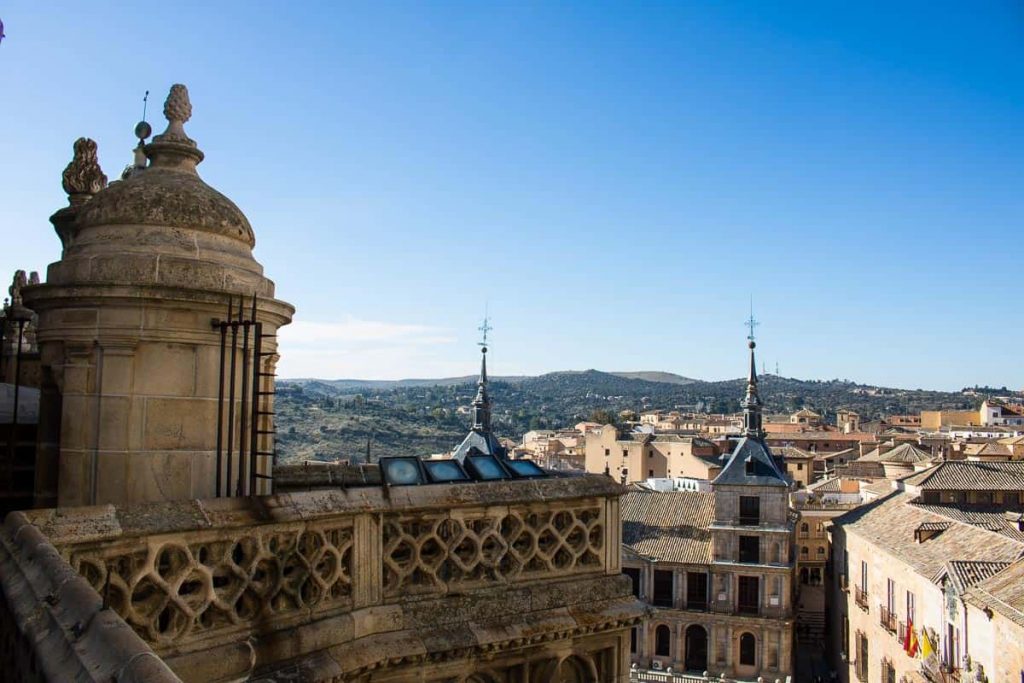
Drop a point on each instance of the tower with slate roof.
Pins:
(752, 563)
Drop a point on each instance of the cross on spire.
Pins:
(484, 329)
(751, 322)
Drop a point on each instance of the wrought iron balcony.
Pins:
(860, 596)
(887, 618)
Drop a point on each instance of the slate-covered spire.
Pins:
(480, 438)
(482, 402)
(751, 404)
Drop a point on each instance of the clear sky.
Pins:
(613, 180)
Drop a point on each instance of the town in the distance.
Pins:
(154, 531)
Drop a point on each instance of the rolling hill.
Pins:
(328, 419)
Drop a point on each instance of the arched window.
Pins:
(662, 641)
(748, 650)
(804, 528)
(821, 550)
(804, 551)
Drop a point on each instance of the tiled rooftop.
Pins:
(904, 453)
(965, 574)
(670, 527)
(890, 524)
(1003, 592)
(959, 475)
(987, 517)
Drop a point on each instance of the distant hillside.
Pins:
(327, 419)
(357, 385)
(666, 377)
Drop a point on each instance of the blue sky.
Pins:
(613, 180)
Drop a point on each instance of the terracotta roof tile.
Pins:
(1003, 592)
(890, 524)
(959, 475)
(670, 526)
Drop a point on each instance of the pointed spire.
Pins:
(482, 402)
(752, 424)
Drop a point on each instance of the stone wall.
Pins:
(54, 627)
(361, 584)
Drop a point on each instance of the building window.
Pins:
(650, 473)
(607, 452)
(634, 574)
(662, 588)
(632, 640)
(625, 453)
(748, 650)
(803, 551)
(662, 641)
(888, 671)
(911, 607)
(862, 657)
(799, 467)
(650, 454)
(844, 638)
(749, 594)
(750, 549)
(750, 467)
(821, 551)
(697, 590)
(804, 529)
(750, 510)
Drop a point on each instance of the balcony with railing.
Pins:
(860, 596)
(196, 580)
(887, 618)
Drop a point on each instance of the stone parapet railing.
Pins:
(239, 573)
(54, 626)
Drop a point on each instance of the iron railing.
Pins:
(887, 618)
(251, 395)
(860, 596)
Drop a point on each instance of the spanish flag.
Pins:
(927, 649)
(910, 643)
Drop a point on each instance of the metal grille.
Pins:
(245, 396)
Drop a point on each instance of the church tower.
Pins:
(751, 565)
(131, 404)
(481, 436)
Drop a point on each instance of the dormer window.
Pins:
(750, 467)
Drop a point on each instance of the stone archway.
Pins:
(696, 648)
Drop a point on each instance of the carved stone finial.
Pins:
(177, 110)
(19, 281)
(83, 177)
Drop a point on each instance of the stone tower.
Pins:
(129, 355)
(752, 557)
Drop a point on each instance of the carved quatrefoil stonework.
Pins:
(174, 589)
(426, 553)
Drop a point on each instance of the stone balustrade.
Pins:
(193, 576)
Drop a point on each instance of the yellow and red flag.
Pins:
(910, 643)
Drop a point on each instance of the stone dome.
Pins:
(168, 196)
(160, 225)
(167, 192)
